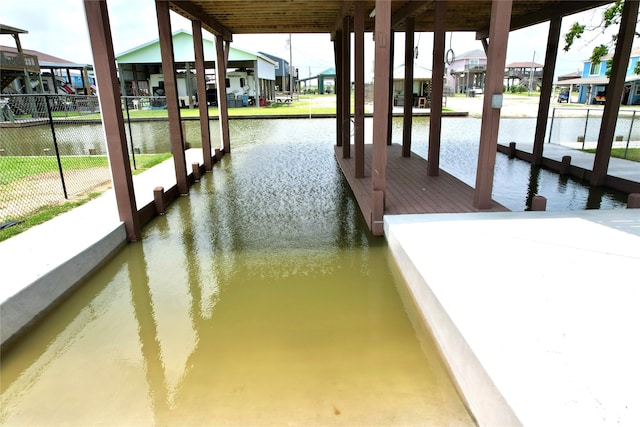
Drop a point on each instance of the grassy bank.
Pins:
(16, 169)
(632, 153)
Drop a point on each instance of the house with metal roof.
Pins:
(249, 77)
(594, 81)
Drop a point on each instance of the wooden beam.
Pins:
(435, 122)
(171, 92)
(344, 11)
(381, 112)
(112, 119)
(407, 120)
(223, 112)
(615, 89)
(392, 44)
(194, 13)
(499, 35)
(410, 9)
(547, 86)
(560, 9)
(358, 77)
(337, 50)
(205, 134)
(346, 87)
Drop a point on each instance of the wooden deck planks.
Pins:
(408, 188)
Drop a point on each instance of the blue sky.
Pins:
(59, 28)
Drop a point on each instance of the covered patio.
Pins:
(490, 20)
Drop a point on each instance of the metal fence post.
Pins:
(55, 145)
(553, 116)
(126, 107)
(586, 123)
(626, 149)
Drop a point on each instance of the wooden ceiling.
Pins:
(228, 17)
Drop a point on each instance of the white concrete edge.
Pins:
(24, 309)
(480, 394)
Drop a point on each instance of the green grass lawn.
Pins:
(14, 169)
(632, 154)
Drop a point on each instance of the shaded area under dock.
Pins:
(409, 189)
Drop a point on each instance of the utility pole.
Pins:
(290, 69)
(531, 72)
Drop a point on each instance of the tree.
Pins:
(610, 16)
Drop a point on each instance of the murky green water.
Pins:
(260, 300)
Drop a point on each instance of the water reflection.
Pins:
(259, 299)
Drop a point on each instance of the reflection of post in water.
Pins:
(148, 331)
(534, 184)
(594, 199)
(191, 258)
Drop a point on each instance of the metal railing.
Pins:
(18, 61)
(580, 128)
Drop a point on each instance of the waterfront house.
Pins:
(593, 82)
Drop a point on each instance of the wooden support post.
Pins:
(158, 200)
(112, 119)
(498, 35)
(512, 149)
(217, 156)
(221, 76)
(346, 87)
(381, 110)
(392, 37)
(626, 36)
(205, 135)
(435, 122)
(358, 139)
(195, 169)
(171, 92)
(633, 201)
(408, 86)
(565, 165)
(547, 86)
(539, 203)
(337, 48)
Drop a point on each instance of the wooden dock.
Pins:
(409, 190)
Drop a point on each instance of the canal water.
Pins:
(259, 300)
(515, 181)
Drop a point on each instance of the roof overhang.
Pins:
(230, 17)
(593, 81)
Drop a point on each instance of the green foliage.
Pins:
(610, 17)
(518, 89)
(575, 32)
(632, 153)
(598, 53)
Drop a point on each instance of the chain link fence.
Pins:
(51, 150)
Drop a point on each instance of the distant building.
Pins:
(249, 75)
(467, 71)
(593, 81)
(521, 73)
(45, 73)
(283, 73)
(422, 77)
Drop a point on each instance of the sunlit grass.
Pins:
(632, 153)
(20, 168)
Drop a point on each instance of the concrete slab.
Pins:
(41, 265)
(619, 168)
(536, 313)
